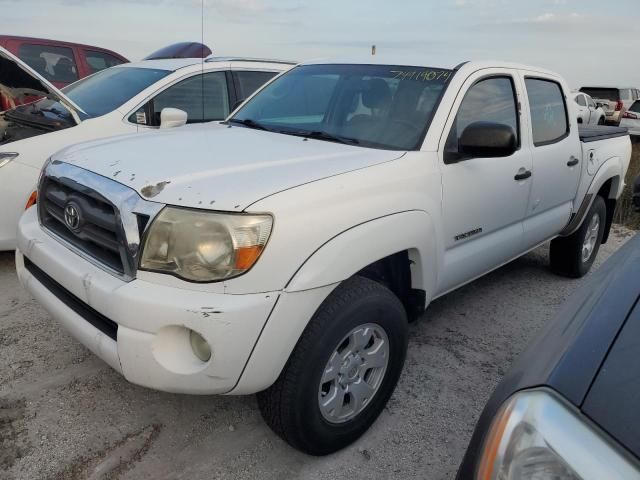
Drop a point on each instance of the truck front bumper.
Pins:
(141, 328)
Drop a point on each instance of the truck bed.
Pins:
(600, 132)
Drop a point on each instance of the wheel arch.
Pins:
(608, 183)
(400, 247)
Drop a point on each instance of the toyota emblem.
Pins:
(72, 216)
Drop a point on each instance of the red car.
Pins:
(61, 63)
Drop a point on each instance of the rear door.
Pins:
(484, 200)
(594, 115)
(555, 147)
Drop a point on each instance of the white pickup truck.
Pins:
(286, 253)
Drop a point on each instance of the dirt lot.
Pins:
(65, 415)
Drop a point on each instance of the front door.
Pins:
(484, 199)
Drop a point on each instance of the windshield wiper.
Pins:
(321, 135)
(247, 122)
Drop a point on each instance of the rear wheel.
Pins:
(342, 371)
(573, 256)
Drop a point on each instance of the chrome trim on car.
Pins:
(128, 206)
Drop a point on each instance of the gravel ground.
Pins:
(65, 415)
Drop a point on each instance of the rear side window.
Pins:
(580, 101)
(489, 100)
(549, 120)
(249, 82)
(56, 64)
(99, 60)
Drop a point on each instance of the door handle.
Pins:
(573, 161)
(523, 175)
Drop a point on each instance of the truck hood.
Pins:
(218, 168)
(17, 79)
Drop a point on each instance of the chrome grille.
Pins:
(98, 218)
(97, 232)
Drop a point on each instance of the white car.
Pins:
(130, 98)
(587, 111)
(631, 119)
(285, 253)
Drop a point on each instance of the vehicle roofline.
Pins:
(60, 42)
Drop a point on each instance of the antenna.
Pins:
(202, 55)
(373, 49)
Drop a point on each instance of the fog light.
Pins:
(200, 347)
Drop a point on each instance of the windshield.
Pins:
(109, 89)
(612, 94)
(378, 106)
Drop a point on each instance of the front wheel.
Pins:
(574, 255)
(601, 121)
(342, 371)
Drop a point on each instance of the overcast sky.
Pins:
(588, 41)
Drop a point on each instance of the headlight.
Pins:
(204, 246)
(537, 436)
(6, 157)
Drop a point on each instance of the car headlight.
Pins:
(204, 246)
(537, 435)
(6, 157)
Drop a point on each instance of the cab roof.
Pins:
(420, 61)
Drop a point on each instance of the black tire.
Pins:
(566, 253)
(601, 121)
(291, 405)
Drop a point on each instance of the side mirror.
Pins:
(173, 117)
(488, 139)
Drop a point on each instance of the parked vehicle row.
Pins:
(284, 251)
(129, 98)
(615, 101)
(60, 63)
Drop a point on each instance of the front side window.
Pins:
(56, 64)
(376, 106)
(549, 120)
(590, 102)
(100, 60)
(580, 101)
(489, 100)
(205, 98)
(249, 82)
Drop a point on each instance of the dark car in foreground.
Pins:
(569, 406)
